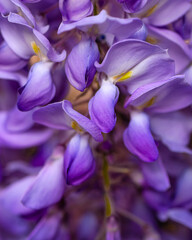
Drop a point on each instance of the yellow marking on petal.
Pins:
(76, 126)
(123, 76)
(151, 40)
(38, 52)
(147, 104)
(36, 48)
(151, 10)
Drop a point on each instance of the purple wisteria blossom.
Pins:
(79, 66)
(138, 138)
(132, 6)
(47, 184)
(39, 75)
(101, 106)
(95, 119)
(79, 163)
(73, 11)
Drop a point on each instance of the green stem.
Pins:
(106, 178)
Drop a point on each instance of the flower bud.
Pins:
(79, 67)
(79, 163)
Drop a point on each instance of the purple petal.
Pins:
(11, 207)
(79, 66)
(85, 23)
(45, 46)
(10, 197)
(9, 61)
(132, 6)
(47, 228)
(119, 27)
(157, 200)
(157, 67)
(14, 76)
(26, 12)
(188, 73)
(39, 89)
(79, 163)
(155, 175)
(175, 95)
(14, 224)
(177, 48)
(113, 231)
(48, 187)
(144, 62)
(53, 116)
(165, 96)
(183, 194)
(21, 167)
(83, 121)
(6, 6)
(165, 125)
(29, 138)
(75, 11)
(145, 95)
(166, 12)
(138, 138)
(181, 216)
(31, 1)
(101, 106)
(18, 121)
(24, 36)
(141, 34)
(124, 55)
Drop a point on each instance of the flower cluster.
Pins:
(95, 119)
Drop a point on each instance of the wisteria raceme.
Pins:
(95, 119)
